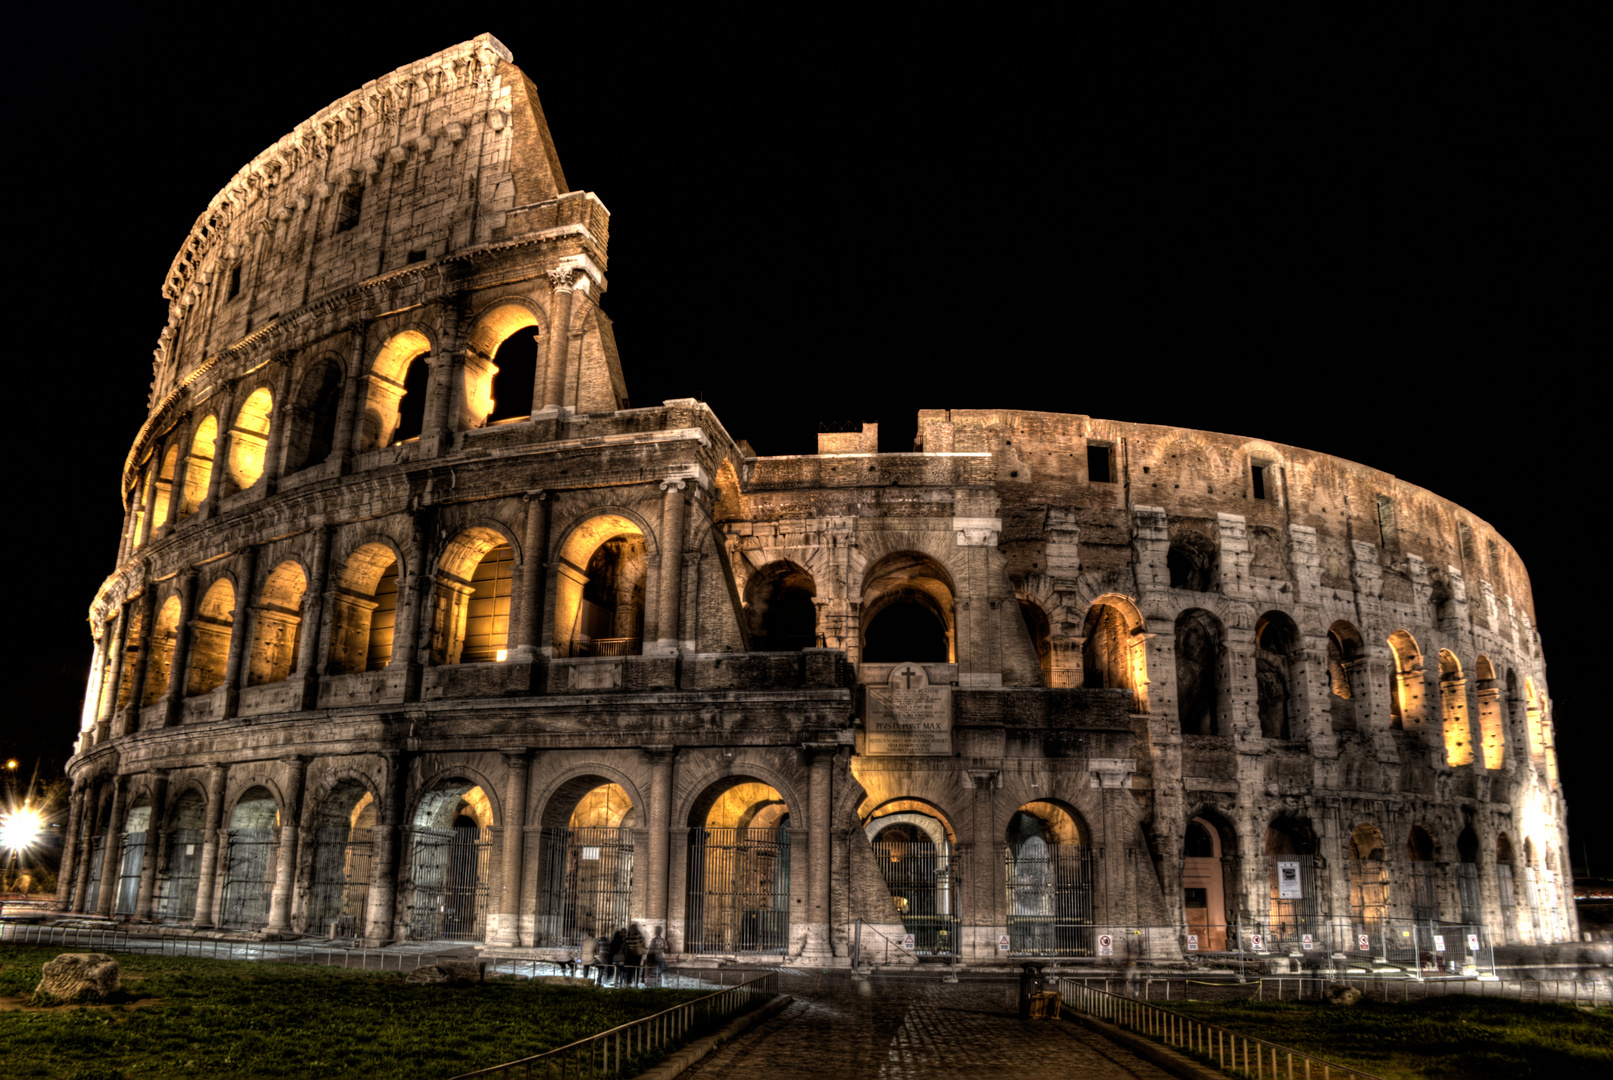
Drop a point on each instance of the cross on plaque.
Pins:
(908, 673)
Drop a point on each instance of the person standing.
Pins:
(586, 953)
(656, 957)
(633, 953)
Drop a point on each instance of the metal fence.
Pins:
(739, 891)
(92, 891)
(923, 883)
(587, 884)
(626, 1049)
(449, 871)
(179, 879)
(248, 877)
(1049, 899)
(340, 890)
(1228, 1050)
(130, 863)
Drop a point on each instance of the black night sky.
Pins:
(1380, 251)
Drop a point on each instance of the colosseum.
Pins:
(407, 640)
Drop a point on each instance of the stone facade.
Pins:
(419, 629)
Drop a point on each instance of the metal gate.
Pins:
(1424, 892)
(341, 884)
(177, 885)
(1369, 895)
(923, 884)
(1467, 887)
(248, 877)
(130, 863)
(1509, 903)
(92, 892)
(1292, 917)
(739, 891)
(587, 884)
(1049, 899)
(449, 870)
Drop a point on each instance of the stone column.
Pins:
(313, 644)
(119, 660)
(506, 929)
(278, 439)
(534, 555)
(148, 869)
(178, 673)
(70, 853)
(240, 634)
(176, 484)
(553, 392)
(114, 848)
(670, 611)
(285, 870)
(142, 660)
(148, 501)
(984, 868)
(341, 445)
(221, 458)
(81, 885)
(819, 930)
(207, 879)
(384, 870)
(660, 759)
(413, 606)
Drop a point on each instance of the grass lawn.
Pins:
(1445, 1038)
(211, 1018)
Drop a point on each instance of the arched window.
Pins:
(779, 610)
(1424, 879)
(1201, 680)
(163, 633)
(1041, 635)
(1453, 710)
(1113, 656)
(470, 615)
(738, 869)
(249, 439)
(1276, 643)
(600, 589)
(363, 610)
(344, 847)
(1492, 722)
(1192, 562)
(907, 611)
(164, 489)
(278, 621)
(210, 638)
(1344, 650)
(199, 466)
(1050, 882)
(1369, 881)
(586, 867)
(1406, 681)
(395, 405)
(487, 618)
(312, 434)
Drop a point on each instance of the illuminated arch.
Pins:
(210, 637)
(602, 585)
(249, 438)
(393, 375)
(907, 610)
(199, 466)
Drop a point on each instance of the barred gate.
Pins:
(1049, 899)
(449, 869)
(1509, 903)
(341, 880)
(248, 877)
(177, 886)
(1424, 892)
(923, 883)
(587, 884)
(739, 891)
(1467, 888)
(92, 892)
(1289, 920)
(1369, 895)
(130, 863)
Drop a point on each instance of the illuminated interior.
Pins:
(249, 439)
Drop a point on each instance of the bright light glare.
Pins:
(20, 828)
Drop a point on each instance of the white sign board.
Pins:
(1306, 942)
(1106, 945)
(1472, 943)
(1002, 942)
(591, 854)
(1439, 942)
(1192, 943)
(907, 942)
(908, 716)
(1365, 942)
(1257, 943)
(1288, 886)
(190, 849)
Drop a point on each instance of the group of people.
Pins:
(625, 957)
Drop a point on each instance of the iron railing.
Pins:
(739, 890)
(1227, 1050)
(340, 890)
(587, 884)
(1049, 899)
(449, 870)
(626, 1048)
(248, 877)
(130, 863)
(179, 876)
(923, 883)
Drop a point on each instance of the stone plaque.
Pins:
(908, 716)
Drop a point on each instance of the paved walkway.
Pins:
(910, 1028)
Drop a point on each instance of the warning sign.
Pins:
(1106, 945)
(1002, 942)
(1439, 942)
(1192, 943)
(1257, 943)
(1365, 943)
(1306, 942)
(907, 942)
(1288, 883)
(1472, 943)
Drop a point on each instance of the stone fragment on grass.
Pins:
(1343, 995)
(72, 974)
(450, 973)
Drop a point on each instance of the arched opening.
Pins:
(139, 503)
(364, 610)
(199, 466)
(779, 610)
(159, 665)
(1292, 885)
(164, 489)
(1050, 882)
(487, 618)
(600, 589)
(739, 869)
(1406, 680)
(312, 417)
(210, 638)
(1041, 635)
(250, 846)
(132, 859)
(278, 623)
(1424, 875)
(1201, 679)
(92, 839)
(1467, 877)
(179, 871)
(501, 365)
(1344, 652)
(249, 439)
(344, 846)
(1492, 721)
(451, 847)
(1205, 851)
(907, 612)
(470, 612)
(395, 405)
(1550, 919)
(1113, 654)
(1506, 887)
(511, 387)
(1276, 644)
(1453, 710)
(1369, 881)
(586, 867)
(912, 843)
(1532, 712)
(131, 653)
(1192, 562)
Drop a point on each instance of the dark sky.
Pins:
(1380, 251)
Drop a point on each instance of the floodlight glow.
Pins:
(20, 829)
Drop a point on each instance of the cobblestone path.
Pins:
(902, 1028)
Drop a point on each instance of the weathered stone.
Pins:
(70, 975)
(448, 973)
(1343, 995)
